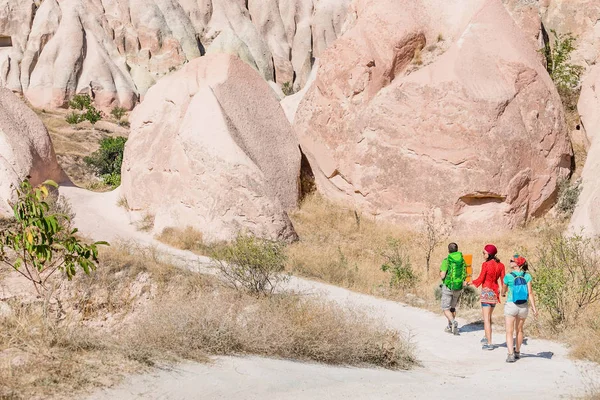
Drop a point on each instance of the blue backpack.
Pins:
(520, 293)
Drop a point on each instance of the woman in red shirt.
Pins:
(492, 271)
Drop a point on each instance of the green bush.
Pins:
(92, 115)
(107, 160)
(118, 113)
(80, 102)
(83, 102)
(397, 262)
(567, 276)
(251, 264)
(568, 195)
(73, 118)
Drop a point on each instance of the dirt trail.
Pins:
(452, 366)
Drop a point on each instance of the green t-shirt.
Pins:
(509, 281)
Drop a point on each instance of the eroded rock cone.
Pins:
(211, 148)
(116, 49)
(25, 149)
(444, 106)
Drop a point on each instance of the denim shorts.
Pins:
(488, 305)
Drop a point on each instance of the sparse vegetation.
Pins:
(106, 162)
(83, 102)
(568, 195)
(146, 223)
(287, 88)
(418, 56)
(160, 313)
(397, 262)
(251, 264)
(440, 37)
(41, 242)
(566, 75)
(122, 202)
(434, 230)
(184, 239)
(118, 113)
(567, 276)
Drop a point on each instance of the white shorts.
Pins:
(516, 310)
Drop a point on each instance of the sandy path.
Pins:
(453, 366)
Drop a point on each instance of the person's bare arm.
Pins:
(443, 274)
(504, 289)
(532, 299)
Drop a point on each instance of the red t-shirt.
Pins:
(491, 272)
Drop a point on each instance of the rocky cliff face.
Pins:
(444, 106)
(117, 49)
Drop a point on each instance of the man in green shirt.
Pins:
(453, 272)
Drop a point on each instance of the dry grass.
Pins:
(146, 223)
(136, 311)
(340, 247)
(184, 239)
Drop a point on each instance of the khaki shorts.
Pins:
(450, 298)
(516, 310)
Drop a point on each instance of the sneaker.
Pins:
(448, 329)
(455, 327)
(511, 358)
(487, 347)
(517, 355)
(484, 340)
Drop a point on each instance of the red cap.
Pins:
(519, 260)
(491, 249)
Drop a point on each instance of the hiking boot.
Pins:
(448, 329)
(487, 347)
(455, 327)
(511, 358)
(517, 355)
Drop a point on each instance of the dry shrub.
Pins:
(184, 239)
(285, 326)
(42, 358)
(136, 311)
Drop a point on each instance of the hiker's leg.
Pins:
(510, 327)
(449, 316)
(520, 322)
(487, 322)
(447, 307)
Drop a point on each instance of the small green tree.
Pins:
(566, 76)
(567, 276)
(107, 160)
(39, 243)
(397, 262)
(432, 232)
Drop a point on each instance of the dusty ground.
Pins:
(451, 364)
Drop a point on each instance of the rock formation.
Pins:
(117, 49)
(435, 105)
(25, 149)
(210, 147)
